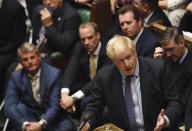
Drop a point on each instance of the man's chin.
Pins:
(174, 59)
(128, 72)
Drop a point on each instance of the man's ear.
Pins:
(98, 35)
(182, 42)
(145, 7)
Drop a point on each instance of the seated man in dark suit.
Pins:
(55, 27)
(33, 93)
(139, 92)
(91, 45)
(177, 56)
(151, 12)
(131, 26)
(188, 115)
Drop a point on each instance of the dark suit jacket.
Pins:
(20, 105)
(185, 23)
(145, 45)
(80, 63)
(158, 14)
(183, 75)
(188, 114)
(12, 30)
(63, 33)
(157, 92)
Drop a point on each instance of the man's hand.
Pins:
(66, 101)
(19, 66)
(46, 17)
(33, 126)
(161, 122)
(158, 53)
(27, 127)
(189, 8)
(71, 109)
(190, 129)
(114, 4)
(163, 4)
(86, 127)
(85, 2)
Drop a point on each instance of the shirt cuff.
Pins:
(43, 121)
(167, 121)
(23, 126)
(79, 95)
(171, 3)
(65, 90)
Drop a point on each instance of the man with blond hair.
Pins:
(139, 92)
(33, 93)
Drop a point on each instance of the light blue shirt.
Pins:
(137, 100)
(136, 94)
(183, 57)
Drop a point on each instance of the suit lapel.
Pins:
(144, 85)
(139, 44)
(43, 83)
(118, 93)
(27, 84)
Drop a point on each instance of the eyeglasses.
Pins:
(170, 50)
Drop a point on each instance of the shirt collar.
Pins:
(136, 72)
(23, 3)
(136, 39)
(1, 2)
(97, 50)
(36, 75)
(183, 57)
(145, 21)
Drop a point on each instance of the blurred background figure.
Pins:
(174, 9)
(12, 34)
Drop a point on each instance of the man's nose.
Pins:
(127, 63)
(86, 41)
(29, 60)
(168, 54)
(124, 25)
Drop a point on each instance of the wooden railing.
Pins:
(160, 29)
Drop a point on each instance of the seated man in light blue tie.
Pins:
(33, 93)
(147, 101)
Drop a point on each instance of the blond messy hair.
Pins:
(118, 44)
(26, 47)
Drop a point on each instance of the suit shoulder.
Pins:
(106, 70)
(50, 68)
(149, 33)
(69, 11)
(153, 64)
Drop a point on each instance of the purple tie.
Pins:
(130, 105)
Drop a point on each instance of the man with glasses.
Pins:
(88, 57)
(178, 57)
(173, 49)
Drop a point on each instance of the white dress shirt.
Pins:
(79, 94)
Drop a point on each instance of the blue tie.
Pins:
(130, 105)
